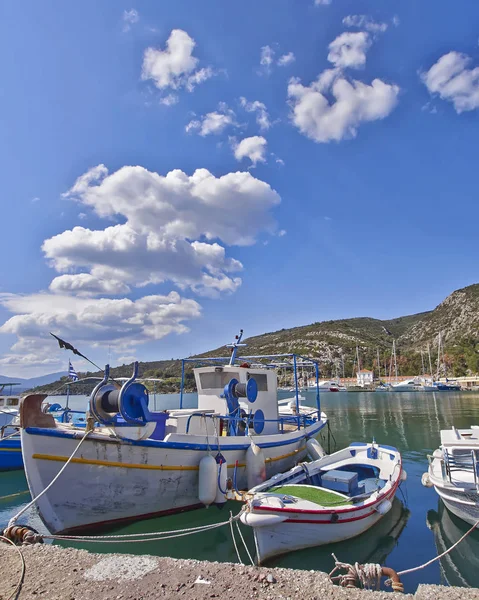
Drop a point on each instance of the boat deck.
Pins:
(313, 494)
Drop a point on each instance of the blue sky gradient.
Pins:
(382, 222)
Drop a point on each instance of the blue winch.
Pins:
(234, 390)
(126, 406)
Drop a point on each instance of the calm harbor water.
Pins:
(416, 529)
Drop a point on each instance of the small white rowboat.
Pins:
(331, 499)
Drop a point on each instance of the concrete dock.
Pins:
(68, 574)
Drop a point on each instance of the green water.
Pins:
(404, 538)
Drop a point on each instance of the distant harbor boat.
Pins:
(136, 463)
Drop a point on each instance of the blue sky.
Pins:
(321, 160)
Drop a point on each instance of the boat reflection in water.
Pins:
(373, 546)
(461, 566)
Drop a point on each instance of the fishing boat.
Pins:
(136, 463)
(454, 472)
(9, 404)
(334, 498)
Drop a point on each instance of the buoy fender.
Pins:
(314, 449)
(255, 465)
(255, 520)
(207, 480)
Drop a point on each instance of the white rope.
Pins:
(6, 437)
(139, 540)
(369, 575)
(22, 575)
(244, 543)
(234, 540)
(147, 536)
(13, 520)
(429, 562)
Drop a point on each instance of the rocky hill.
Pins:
(334, 343)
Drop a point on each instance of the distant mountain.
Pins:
(333, 343)
(33, 381)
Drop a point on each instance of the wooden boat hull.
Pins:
(301, 530)
(111, 480)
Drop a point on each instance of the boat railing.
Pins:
(465, 461)
(300, 421)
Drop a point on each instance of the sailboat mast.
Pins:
(395, 361)
(438, 371)
(379, 366)
(430, 363)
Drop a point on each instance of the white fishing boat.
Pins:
(333, 498)
(137, 463)
(9, 404)
(408, 385)
(328, 386)
(454, 472)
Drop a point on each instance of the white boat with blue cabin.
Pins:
(137, 464)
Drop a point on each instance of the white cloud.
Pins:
(267, 57)
(451, 78)
(130, 17)
(169, 99)
(82, 215)
(253, 148)
(175, 67)
(85, 284)
(213, 123)
(322, 2)
(354, 103)
(262, 116)
(180, 206)
(286, 59)
(364, 22)
(170, 231)
(36, 199)
(396, 21)
(349, 50)
(100, 321)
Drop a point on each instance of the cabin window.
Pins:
(213, 380)
(261, 380)
(1, 401)
(12, 401)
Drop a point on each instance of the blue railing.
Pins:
(304, 420)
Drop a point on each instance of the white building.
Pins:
(365, 377)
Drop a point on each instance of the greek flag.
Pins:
(72, 374)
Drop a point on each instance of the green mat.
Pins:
(313, 494)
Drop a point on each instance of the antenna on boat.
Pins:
(234, 347)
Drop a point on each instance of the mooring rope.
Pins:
(142, 537)
(6, 437)
(22, 576)
(429, 562)
(13, 520)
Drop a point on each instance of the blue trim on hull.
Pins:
(181, 445)
(10, 455)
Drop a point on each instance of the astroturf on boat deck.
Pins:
(313, 494)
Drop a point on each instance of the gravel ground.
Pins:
(68, 574)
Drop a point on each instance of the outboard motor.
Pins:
(125, 407)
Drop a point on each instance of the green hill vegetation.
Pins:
(334, 343)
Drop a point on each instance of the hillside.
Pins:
(334, 343)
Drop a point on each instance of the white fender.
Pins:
(255, 465)
(426, 481)
(221, 478)
(314, 449)
(257, 520)
(403, 475)
(207, 480)
(383, 507)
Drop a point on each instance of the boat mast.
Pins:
(234, 347)
(395, 361)
(379, 367)
(430, 362)
(438, 371)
